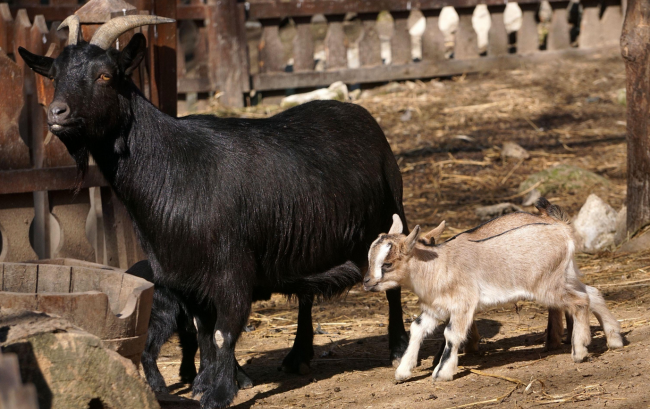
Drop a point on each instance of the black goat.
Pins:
(170, 314)
(288, 204)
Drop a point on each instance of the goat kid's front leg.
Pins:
(581, 336)
(398, 341)
(455, 333)
(298, 359)
(420, 328)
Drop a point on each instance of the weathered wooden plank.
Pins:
(559, 37)
(528, 36)
(260, 9)
(71, 210)
(6, 28)
(336, 54)
(370, 45)
(401, 41)
(19, 301)
(20, 278)
(271, 52)
(14, 153)
(611, 23)
(498, 36)
(433, 41)
(411, 71)
(590, 27)
(61, 178)
(303, 45)
(53, 278)
(466, 41)
(16, 214)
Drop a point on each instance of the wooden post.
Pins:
(634, 48)
(163, 69)
(225, 42)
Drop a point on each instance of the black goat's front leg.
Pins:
(398, 341)
(298, 359)
(217, 381)
(161, 327)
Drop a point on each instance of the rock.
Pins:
(595, 225)
(337, 91)
(489, 212)
(531, 198)
(13, 394)
(406, 116)
(562, 178)
(639, 243)
(621, 226)
(69, 367)
(513, 150)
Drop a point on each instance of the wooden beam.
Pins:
(60, 178)
(263, 9)
(279, 81)
(634, 48)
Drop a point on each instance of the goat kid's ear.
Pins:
(133, 53)
(410, 240)
(397, 227)
(435, 233)
(40, 64)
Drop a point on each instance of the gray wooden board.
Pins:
(20, 278)
(424, 69)
(53, 278)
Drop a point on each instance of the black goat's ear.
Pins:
(133, 53)
(40, 64)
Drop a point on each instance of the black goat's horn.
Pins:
(72, 22)
(117, 26)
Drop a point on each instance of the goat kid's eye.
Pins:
(387, 265)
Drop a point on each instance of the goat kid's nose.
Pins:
(58, 112)
(366, 280)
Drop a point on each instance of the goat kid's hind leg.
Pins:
(398, 341)
(455, 333)
(554, 329)
(581, 336)
(297, 361)
(610, 325)
(420, 328)
(473, 340)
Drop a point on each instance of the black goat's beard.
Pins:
(81, 156)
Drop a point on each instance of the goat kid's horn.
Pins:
(117, 26)
(72, 22)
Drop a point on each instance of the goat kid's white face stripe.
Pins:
(381, 256)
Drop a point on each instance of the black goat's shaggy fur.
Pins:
(223, 207)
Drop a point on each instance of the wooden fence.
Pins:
(220, 49)
(40, 215)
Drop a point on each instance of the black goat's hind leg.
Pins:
(189, 345)
(161, 327)
(297, 361)
(398, 341)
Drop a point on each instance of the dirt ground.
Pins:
(447, 136)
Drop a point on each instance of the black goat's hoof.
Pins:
(243, 380)
(297, 361)
(187, 375)
(218, 397)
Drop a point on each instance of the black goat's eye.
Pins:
(105, 77)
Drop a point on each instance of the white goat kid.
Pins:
(519, 256)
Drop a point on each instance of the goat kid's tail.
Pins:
(546, 208)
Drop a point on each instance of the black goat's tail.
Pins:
(328, 284)
(545, 207)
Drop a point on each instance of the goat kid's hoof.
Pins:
(579, 357)
(615, 341)
(402, 375)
